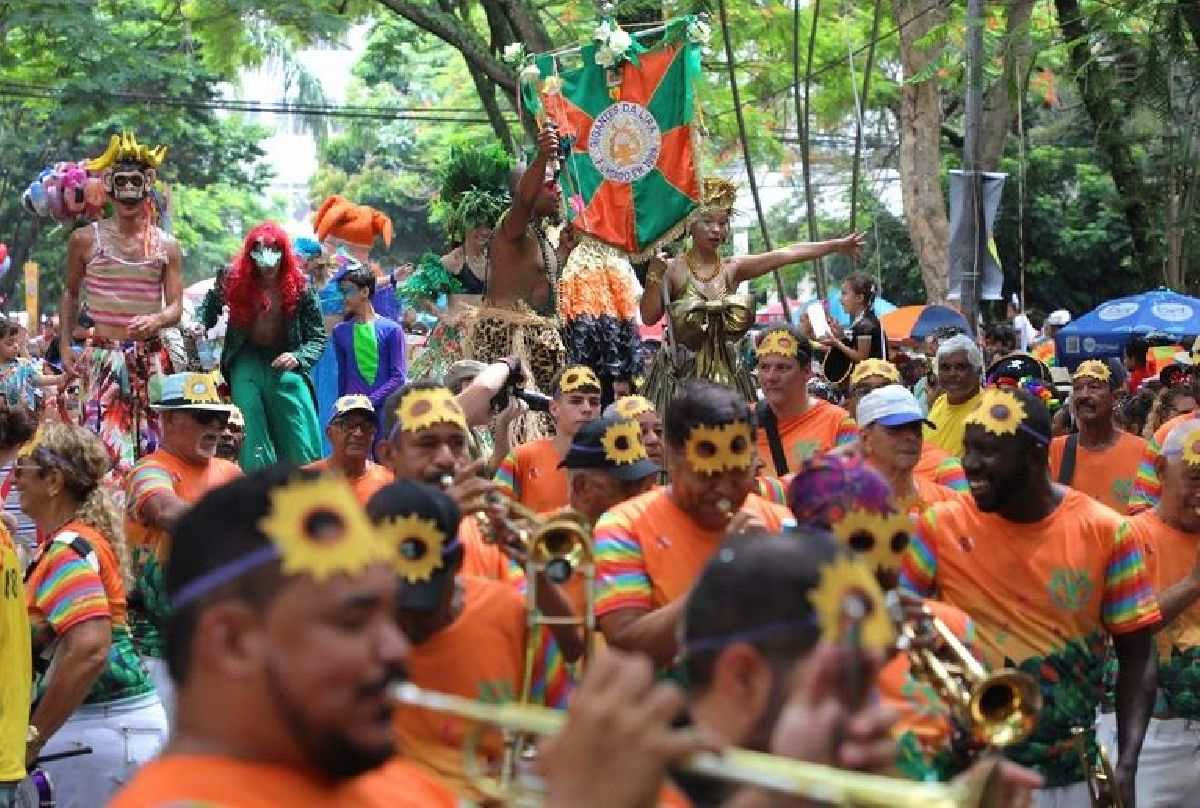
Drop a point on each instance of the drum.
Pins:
(35, 791)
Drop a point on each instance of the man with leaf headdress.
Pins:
(128, 272)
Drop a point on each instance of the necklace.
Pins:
(694, 268)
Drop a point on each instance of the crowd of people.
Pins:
(216, 577)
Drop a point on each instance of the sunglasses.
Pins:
(128, 180)
(207, 417)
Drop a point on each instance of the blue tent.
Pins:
(1104, 332)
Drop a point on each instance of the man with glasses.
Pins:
(351, 433)
(160, 488)
(369, 347)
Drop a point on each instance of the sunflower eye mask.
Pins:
(418, 544)
(422, 408)
(779, 343)
(713, 449)
(877, 539)
(633, 406)
(576, 378)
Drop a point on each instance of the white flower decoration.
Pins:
(620, 40)
(605, 57)
(603, 31)
(530, 74)
(699, 31)
(513, 52)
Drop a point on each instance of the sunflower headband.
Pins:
(316, 528)
(779, 343)
(420, 546)
(713, 449)
(422, 408)
(850, 606)
(1092, 369)
(874, 367)
(622, 444)
(632, 406)
(578, 378)
(1002, 413)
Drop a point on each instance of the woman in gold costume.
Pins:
(706, 315)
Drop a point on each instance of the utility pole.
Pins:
(973, 269)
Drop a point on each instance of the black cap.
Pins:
(435, 529)
(613, 445)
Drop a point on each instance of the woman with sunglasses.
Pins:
(91, 687)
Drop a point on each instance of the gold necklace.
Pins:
(693, 268)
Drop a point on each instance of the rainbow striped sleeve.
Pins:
(918, 570)
(1129, 602)
(847, 432)
(1147, 488)
(145, 480)
(622, 582)
(949, 474)
(772, 489)
(506, 476)
(551, 685)
(68, 591)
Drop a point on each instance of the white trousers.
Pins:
(1073, 796)
(123, 735)
(1169, 765)
(164, 684)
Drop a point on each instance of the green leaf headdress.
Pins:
(473, 189)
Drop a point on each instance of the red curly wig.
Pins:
(243, 289)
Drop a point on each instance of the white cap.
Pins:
(1060, 317)
(892, 405)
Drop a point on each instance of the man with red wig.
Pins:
(275, 336)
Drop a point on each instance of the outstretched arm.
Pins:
(529, 187)
(754, 266)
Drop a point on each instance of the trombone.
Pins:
(740, 766)
(1097, 772)
(996, 708)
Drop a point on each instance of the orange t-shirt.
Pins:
(936, 465)
(365, 485)
(1105, 476)
(479, 656)
(823, 426)
(930, 494)
(530, 475)
(397, 784)
(483, 560)
(162, 472)
(224, 782)
(649, 552)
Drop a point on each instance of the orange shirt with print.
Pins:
(365, 485)
(649, 552)
(823, 426)
(220, 781)
(189, 481)
(479, 656)
(530, 475)
(1105, 476)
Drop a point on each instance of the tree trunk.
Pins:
(1098, 89)
(920, 147)
(999, 98)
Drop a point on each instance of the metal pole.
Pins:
(974, 118)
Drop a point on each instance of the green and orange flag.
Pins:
(630, 177)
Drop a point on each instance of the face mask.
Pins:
(129, 186)
(267, 258)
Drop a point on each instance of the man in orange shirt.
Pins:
(530, 473)
(468, 634)
(1050, 576)
(935, 465)
(158, 490)
(793, 426)
(1169, 535)
(650, 549)
(1100, 460)
(1146, 487)
(351, 432)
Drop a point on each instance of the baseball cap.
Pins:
(349, 404)
(421, 523)
(1059, 317)
(613, 445)
(892, 405)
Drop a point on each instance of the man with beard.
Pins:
(130, 271)
(232, 436)
(793, 426)
(351, 434)
(650, 549)
(275, 336)
(1099, 460)
(160, 488)
(959, 363)
(1050, 576)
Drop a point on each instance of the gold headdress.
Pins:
(779, 343)
(424, 407)
(717, 193)
(418, 545)
(999, 412)
(874, 367)
(320, 529)
(1093, 369)
(578, 377)
(125, 148)
(713, 449)
(845, 584)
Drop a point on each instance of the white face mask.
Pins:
(267, 258)
(129, 186)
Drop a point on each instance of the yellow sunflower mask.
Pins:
(875, 367)
(877, 539)
(848, 602)
(201, 388)
(320, 529)
(713, 449)
(999, 412)
(418, 545)
(778, 343)
(1191, 450)
(422, 408)
(623, 443)
(579, 377)
(1093, 369)
(632, 406)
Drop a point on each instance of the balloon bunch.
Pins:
(5, 260)
(65, 192)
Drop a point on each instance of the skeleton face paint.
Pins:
(128, 184)
(267, 258)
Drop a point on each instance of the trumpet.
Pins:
(740, 766)
(997, 708)
(1097, 772)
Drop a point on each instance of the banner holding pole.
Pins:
(31, 294)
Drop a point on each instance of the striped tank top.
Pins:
(119, 290)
